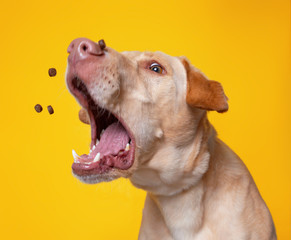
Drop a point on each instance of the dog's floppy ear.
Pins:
(203, 93)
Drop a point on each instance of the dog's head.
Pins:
(135, 102)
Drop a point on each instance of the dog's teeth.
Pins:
(97, 158)
(90, 150)
(102, 132)
(93, 147)
(127, 147)
(76, 156)
(97, 142)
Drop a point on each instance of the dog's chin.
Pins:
(104, 177)
(96, 178)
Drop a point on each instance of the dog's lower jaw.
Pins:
(93, 179)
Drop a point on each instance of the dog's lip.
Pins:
(100, 167)
(71, 74)
(104, 165)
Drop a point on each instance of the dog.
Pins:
(148, 117)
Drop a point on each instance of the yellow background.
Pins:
(244, 44)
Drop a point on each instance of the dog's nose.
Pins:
(82, 48)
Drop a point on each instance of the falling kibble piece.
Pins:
(102, 44)
(52, 72)
(50, 109)
(84, 116)
(38, 108)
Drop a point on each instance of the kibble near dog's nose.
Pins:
(82, 48)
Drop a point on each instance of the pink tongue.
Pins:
(113, 139)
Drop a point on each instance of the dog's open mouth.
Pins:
(112, 143)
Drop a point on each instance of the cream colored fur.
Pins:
(197, 187)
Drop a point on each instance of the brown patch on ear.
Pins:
(204, 93)
(84, 116)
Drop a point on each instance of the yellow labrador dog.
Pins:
(148, 116)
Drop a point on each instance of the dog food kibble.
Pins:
(52, 72)
(102, 44)
(38, 108)
(50, 109)
(84, 116)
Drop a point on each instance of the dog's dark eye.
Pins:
(156, 68)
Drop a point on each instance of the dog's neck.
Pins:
(183, 185)
(175, 169)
